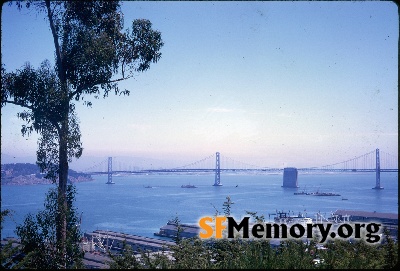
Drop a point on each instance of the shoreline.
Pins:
(32, 180)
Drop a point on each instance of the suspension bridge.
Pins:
(374, 161)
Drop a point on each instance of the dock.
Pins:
(386, 218)
(109, 240)
(390, 221)
(98, 243)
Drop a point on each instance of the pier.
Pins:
(104, 241)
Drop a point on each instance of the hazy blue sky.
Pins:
(269, 83)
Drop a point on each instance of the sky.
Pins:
(268, 83)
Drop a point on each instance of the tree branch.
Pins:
(18, 103)
(82, 88)
(55, 124)
(56, 43)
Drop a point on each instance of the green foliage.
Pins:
(291, 254)
(390, 251)
(191, 253)
(10, 254)
(294, 254)
(156, 260)
(38, 91)
(129, 259)
(38, 235)
(179, 230)
(125, 260)
(352, 255)
(4, 213)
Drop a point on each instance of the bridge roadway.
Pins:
(232, 170)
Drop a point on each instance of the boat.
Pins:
(188, 186)
(110, 182)
(301, 193)
(317, 193)
(325, 194)
(286, 218)
(148, 186)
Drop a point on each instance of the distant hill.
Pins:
(9, 159)
(27, 173)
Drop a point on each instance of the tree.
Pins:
(39, 240)
(92, 54)
(125, 260)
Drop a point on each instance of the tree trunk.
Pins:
(62, 189)
(61, 224)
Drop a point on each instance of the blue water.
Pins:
(127, 206)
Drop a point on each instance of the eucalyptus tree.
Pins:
(92, 53)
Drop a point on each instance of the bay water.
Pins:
(130, 206)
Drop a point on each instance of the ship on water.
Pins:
(286, 218)
(302, 192)
(188, 186)
(317, 193)
(325, 194)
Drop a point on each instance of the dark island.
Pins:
(26, 174)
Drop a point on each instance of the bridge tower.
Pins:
(290, 175)
(378, 171)
(109, 181)
(217, 171)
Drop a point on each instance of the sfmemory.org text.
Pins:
(226, 227)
